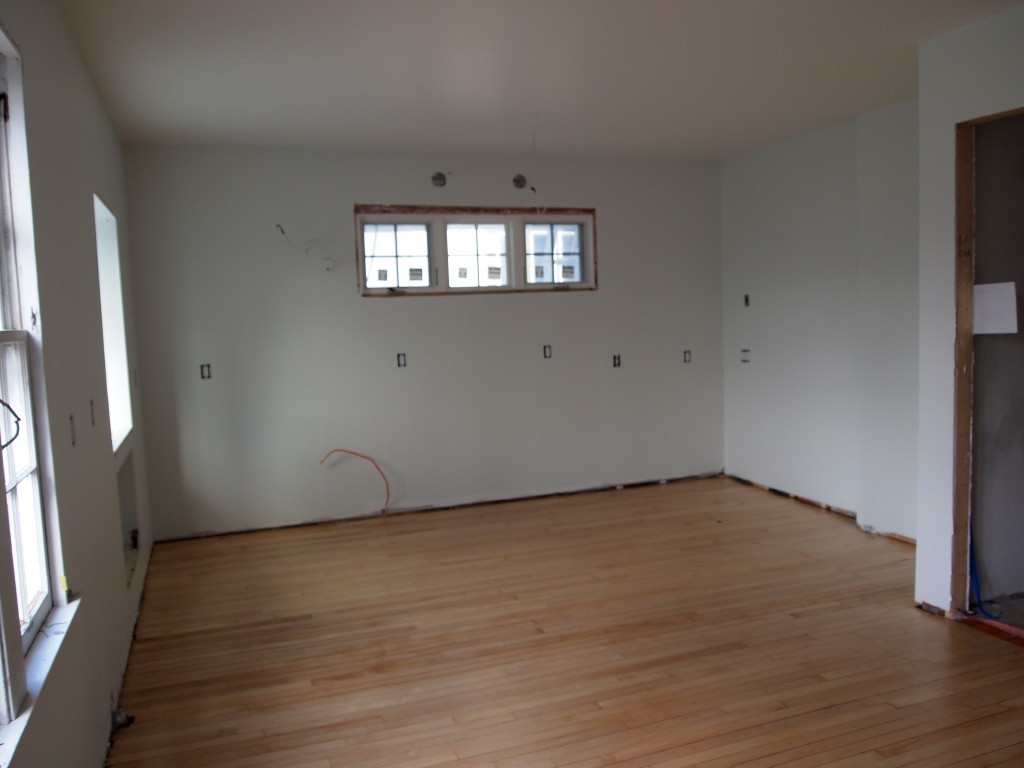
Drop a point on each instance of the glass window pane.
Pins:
(538, 269)
(462, 240)
(567, 269)
(413, 271)
(378, 240)
(412, 239)
(492, 271)
(538, 238)
(491, 238)
(20, 455)
(462, 271)
(29, 548)
(382, 272)
(567, 238)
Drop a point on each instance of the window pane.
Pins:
(20, 455)
(538, 239)
(382, 272)
(492, 239)
(378, 240)
(567, 239)
(492, 270)
(413, 271)
(462, 271)
(462, 240)
(412, 239)
(538, 269)
(29, 550)
(567, 269)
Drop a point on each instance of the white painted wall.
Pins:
(74, 153)
(966, 74)
(820, 233)
(789, 241)
(302, 364)
(887, 317)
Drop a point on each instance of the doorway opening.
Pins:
(988, 574)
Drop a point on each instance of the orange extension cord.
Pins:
(387, 485)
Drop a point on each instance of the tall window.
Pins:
(25, 594)
(115, 347)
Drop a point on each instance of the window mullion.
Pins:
(516, 253)
(439, 248)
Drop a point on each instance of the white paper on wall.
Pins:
(995, 308)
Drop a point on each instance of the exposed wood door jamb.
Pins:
(963, 380)
(963, 377)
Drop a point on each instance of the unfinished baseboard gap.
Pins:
(395, 512)
(534, 497)
(845, 513)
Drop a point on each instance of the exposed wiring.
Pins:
(387, 485)
(17, 424)
(533, 156)
(976, 586)
(307, 246)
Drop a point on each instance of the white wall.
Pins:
(887, 317)
(302, 364)
(970, 73)
(820, 233)
(74, 153)
(789, 243)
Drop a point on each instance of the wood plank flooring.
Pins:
(700, 623)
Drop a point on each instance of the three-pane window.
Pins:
(447, 250)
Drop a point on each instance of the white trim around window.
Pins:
(403, 250)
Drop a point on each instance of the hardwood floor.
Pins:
(701, 623)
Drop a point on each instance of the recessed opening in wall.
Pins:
(128, 501)
(115, 347)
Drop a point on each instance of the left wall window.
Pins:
(26, 596)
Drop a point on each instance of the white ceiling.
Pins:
(645, 78)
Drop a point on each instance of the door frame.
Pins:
(963, 357)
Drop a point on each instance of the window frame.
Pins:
(20, 327)
(114, 326)
(26, 480)
(437, 219)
